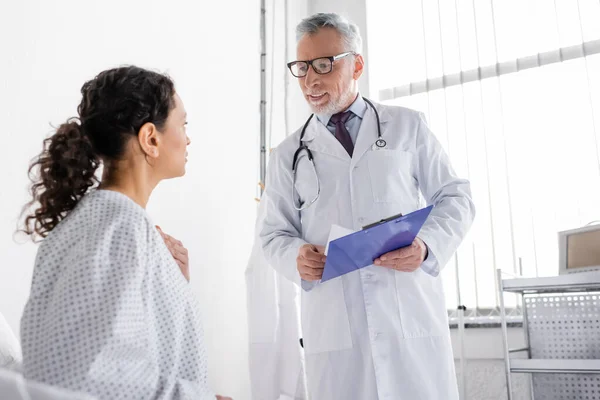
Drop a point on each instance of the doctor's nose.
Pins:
(312, 78)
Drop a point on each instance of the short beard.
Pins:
(334, 107)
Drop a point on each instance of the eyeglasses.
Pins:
(321, 65)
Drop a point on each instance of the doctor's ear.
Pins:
(359, 66)
(149, 140)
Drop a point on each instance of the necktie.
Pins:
(341, 133)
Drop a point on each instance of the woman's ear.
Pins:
(149, 140)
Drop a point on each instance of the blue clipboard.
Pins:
(360, 249)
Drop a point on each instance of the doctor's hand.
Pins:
(311, 261)
(406, 259)
(179, 253)
(223, 398)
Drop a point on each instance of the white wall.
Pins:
(211, 49)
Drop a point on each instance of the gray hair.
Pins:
(349, 31)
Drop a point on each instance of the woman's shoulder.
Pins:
(103, 216)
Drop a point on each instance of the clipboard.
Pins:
(359, 249)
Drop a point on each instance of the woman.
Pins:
(110, 312)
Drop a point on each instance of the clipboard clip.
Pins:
(383, 221)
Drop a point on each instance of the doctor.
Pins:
(380, 332)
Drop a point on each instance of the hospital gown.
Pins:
(109, 312)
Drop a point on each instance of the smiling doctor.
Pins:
(380, 332)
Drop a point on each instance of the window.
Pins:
(512, 90)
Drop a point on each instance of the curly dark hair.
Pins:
(114, 106)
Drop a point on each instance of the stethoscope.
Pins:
(379, 143)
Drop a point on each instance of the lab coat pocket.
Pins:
(421, 304)
(392, 176)
(325, 324)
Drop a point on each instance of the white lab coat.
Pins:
(375, 333)
(275, 355)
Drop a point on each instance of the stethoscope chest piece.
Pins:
(379, 144)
